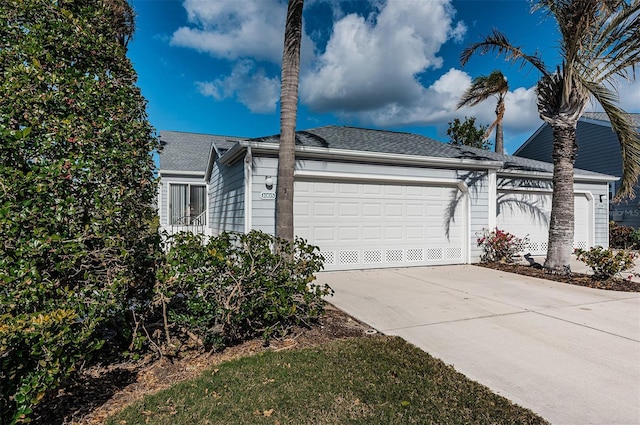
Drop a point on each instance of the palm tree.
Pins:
(482, 88)
(600, 44)
(288, 115)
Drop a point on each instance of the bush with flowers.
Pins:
(499, 246)
(607, 263)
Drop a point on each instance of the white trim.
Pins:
(181, 173)
(461, 185)
(381, 178)
(549, 176)
(492, 198)
(248, 190)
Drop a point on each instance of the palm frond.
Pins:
(498, 42)
(484, 87)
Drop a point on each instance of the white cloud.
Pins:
(250, 86)
(234, 29)
(373, 62)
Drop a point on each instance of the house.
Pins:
(598, 150)
(371, 198)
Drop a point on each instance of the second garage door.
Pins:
(528, 214)
(372, 225)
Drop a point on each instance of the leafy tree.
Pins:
(288, 115)
(482, 88)
(600, 43)
(76, 190)
(467, 134)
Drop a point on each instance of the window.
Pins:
(187, 204)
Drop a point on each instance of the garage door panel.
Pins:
(347, 188)
(382, 226)
(370, 210)
(349, 209)
(324, 209)
(393, 190)
(415, 210)
(372, 190)
(349, 234)
(371, 234)
(393, 210)
(415, 233)
(322, 234)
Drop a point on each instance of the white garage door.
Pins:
(373, 225)
(528, 214)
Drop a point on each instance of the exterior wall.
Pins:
(478, 184)
(226, 198)
(263, 210)
(601, 211)
(163, 194)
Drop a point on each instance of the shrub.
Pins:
(499, 246)
(235, 287)
(77, 188)
(605, 262)
(623, 237)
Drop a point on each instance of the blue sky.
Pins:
(213, 66)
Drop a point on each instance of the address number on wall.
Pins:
(267, 195)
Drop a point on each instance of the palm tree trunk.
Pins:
(288, 115)
(561, 226)
(499, 138)
(499, 148)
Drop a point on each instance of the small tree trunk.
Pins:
(288, 115)
(499, 138)
(561, 226)
(499, 148)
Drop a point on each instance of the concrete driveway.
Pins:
(570, 354)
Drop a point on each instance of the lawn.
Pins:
(367, 380)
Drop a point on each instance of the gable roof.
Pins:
(601, 116)
(190, 151)
(400, 143)
(195, 152)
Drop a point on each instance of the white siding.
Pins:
(226, 198)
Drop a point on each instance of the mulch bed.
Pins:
(100, 390)
(580, 279)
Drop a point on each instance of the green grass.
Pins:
(381, 380)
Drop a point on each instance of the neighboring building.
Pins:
(370, 198)
(598, 150)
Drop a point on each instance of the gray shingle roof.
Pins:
(190, 151)
(367, 140)
(601, 116)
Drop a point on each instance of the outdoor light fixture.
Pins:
(268, 182)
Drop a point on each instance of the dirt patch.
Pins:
(99, 390)
(580, 279)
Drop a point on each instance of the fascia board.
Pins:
(547, 176)
(162, 172)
